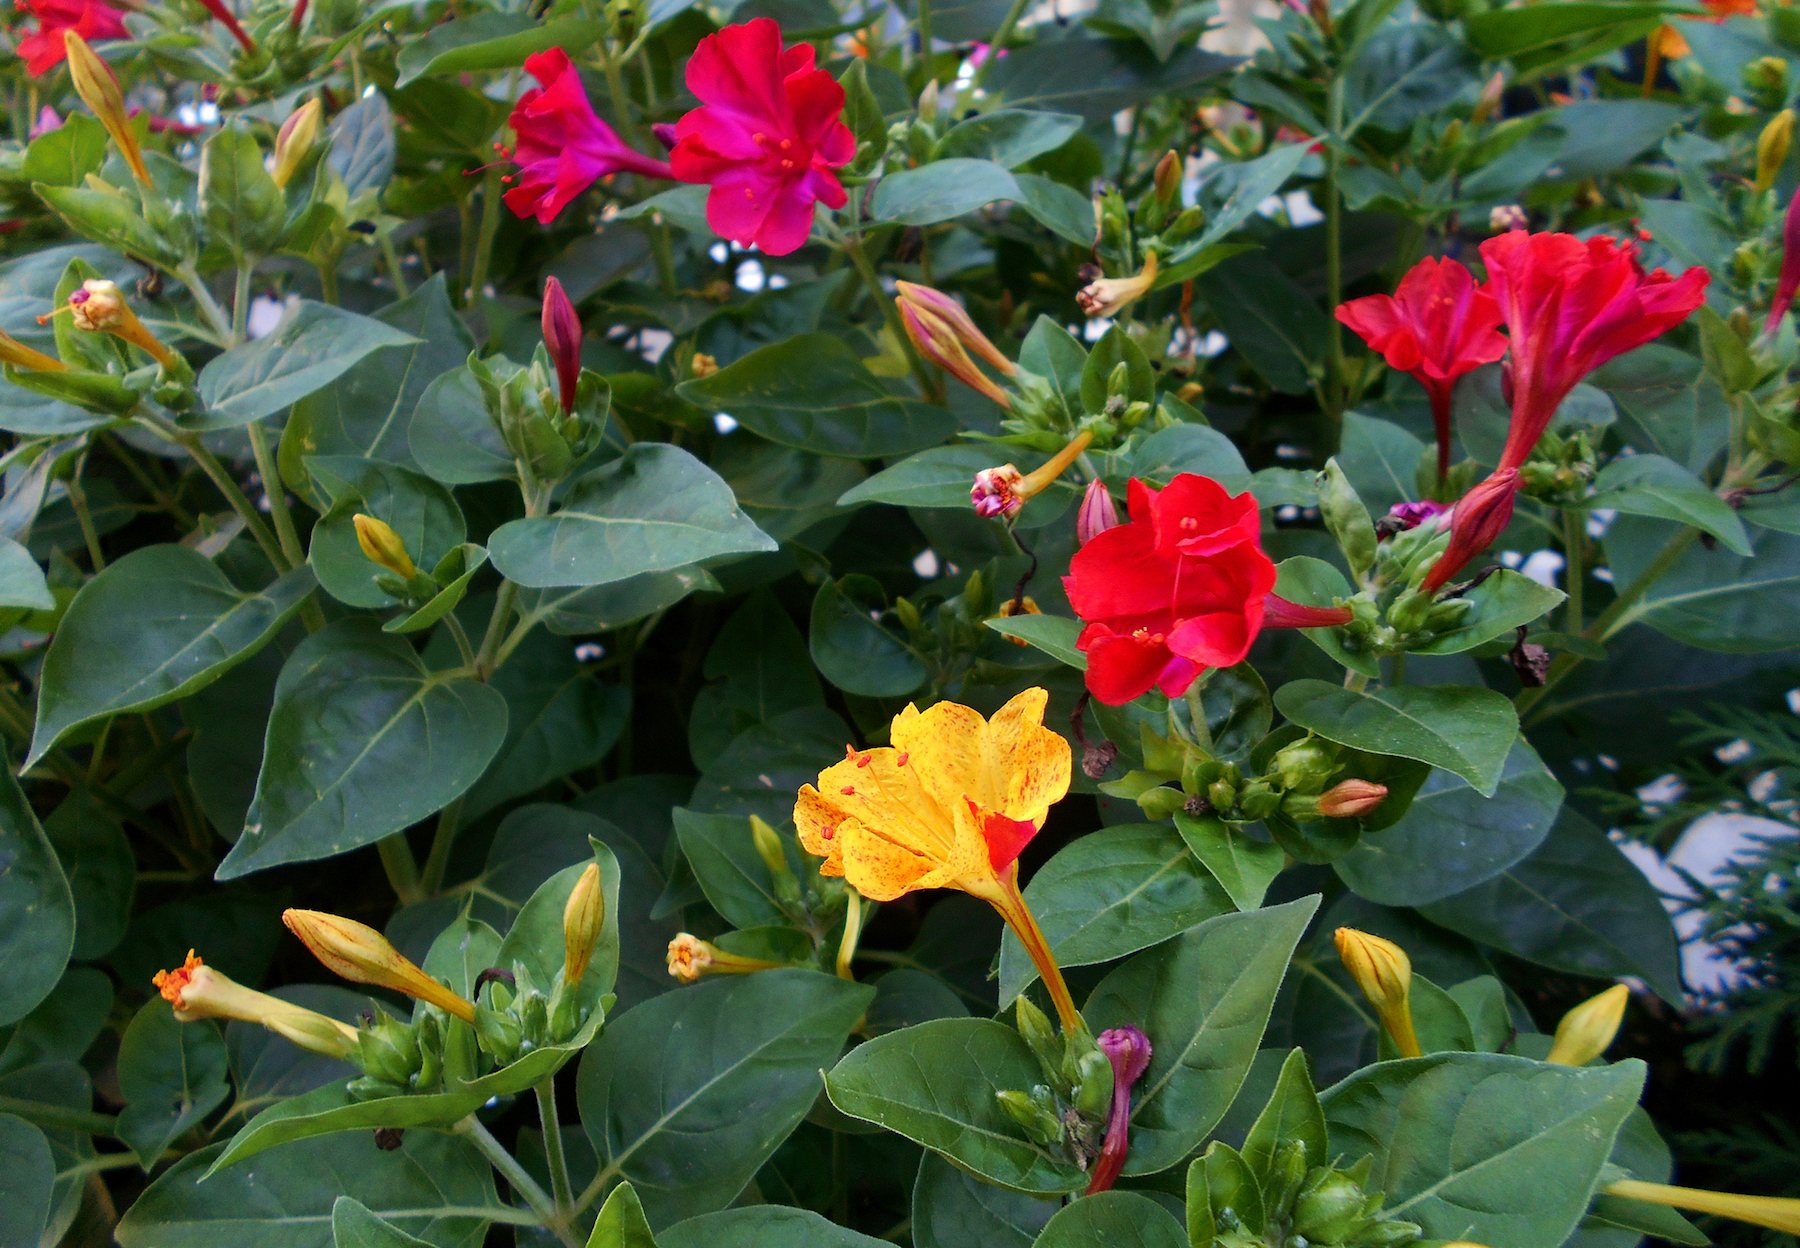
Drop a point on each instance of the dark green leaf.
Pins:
(314, 345)
(30, 1182)
(240, 202)
(1275, 324)
(856, 653)
(763, 1226)
(1650, 485)
(421, 511)
(1713, 599)
(1243, 866)
(1115, 1219)
(452, 436)
(354, 1226)
(1502, 602)
(941, 191)
(171, 1074)
(101, 869)
(1096, 77)
(64, 1023)
(1462, 729)
(1291, 1113)
(492, 41)
(37, 911)
(1008, 136)
(951, 1209)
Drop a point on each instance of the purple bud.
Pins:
(562, 336)
(665, 134)
(1098, 512)
(1128, 1049)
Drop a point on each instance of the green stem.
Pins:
(217, 473)
(621, 102)
(560, 1188)
(401, 867)
(1334, 258)
(157, 489)
(431, 883)
(665, 259)
(487, 660)
(1574, 570)
(925, 33)
(328, 280)
(1612, 619)
(490, 227)
(516, 1176)
(1005, 32)
(58, 1117)
(240, 303)
(78, 500)
(461, 638)
(203, 299)
(391, 257)
(270, 472)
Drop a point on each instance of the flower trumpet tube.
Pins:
(197, 991)
(562, 337)
(583, 918)
(229, 20)
(363, 955)
(16, 353)
(294, 140)
(1789, 281)
(98, 306)
(1438, 325)
(1775, 1212)
(99, 89)
(1128, 1049)
(1585, 1031)
(951, 313)
(1384, 973)
(383, 547)
(939, 343)
(950, 804)
(1003, 491)
(1107, 296)
(690, 957)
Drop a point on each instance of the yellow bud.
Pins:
(1384, 973)
(295, 139)
(381, 545)
(1775, 1212)
(99, 89)
(1167, 178)
(1772, 148)
(582, 919)
(363, 955)
(16, 353)
(196, 991)
(1585, 1031)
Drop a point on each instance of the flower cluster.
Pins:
(1184, 587)
(766, 138)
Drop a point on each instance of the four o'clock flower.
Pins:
(1437, 326)
(1001, 492)
(562, 337)
(562, 146)
(941, 330)
(197, 991)
(1098, 513)
(294, 140)
(1384, 973)
(363, 955)
(950, 804)
(766, 138)
(1586, 1031)
(43, 49)
(98, 306)
(1128, 1049)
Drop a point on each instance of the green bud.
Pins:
(431, 1055)
(1306, 765)
(534, 1022)
(1287, 1172)
(1188, 223)
(768, 848)
(1329, 1207)
(369, 1088)
(1409, 612)
(1044, 1128)
(1386, 1234)
(1161, 802)
(910, 619)
(1348, 520)
(1448, 614)
(1094, 1089)
(1118, 382)
(388, 1049)
(1258, 800)
(498, 1033)
(1222, 794)
(462, 1059)
(565, 1017)
(1034, 1027)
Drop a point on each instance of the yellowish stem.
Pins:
(853, 918)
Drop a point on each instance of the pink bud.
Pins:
(562, 335)
(1351, 798)
(1097, 513)
(665, 134)
(47, 120)
(1790, 265)
(1128, 1049)
(1478, 519)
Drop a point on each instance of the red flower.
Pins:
(1570, 306)
(42, 50)
(766, 139)
(1477, 521)
(1437, 326)
(563, 147)
(1184, 587)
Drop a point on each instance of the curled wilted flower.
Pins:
(1106, 296)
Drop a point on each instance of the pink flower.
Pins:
(563, 146)
(766, 139)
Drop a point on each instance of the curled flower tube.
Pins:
(363, 955)
(99, 89)
(1778, 1213)
(1107, 296)
(1184, 587)
(1128, 1050)
(1001, 492)
(229, 20)
(98, 306)
(1789, 281)
(689, 958)
(951, 313)
(1384, 973)
(939, 343)
(1585, 1031)
(197, 991)
(950, 804)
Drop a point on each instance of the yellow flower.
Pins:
(583, 917)
(1384, 973)
(98, 306)
(949, 805)
(1586, 1030)
(99, 89)
(363, 955)
(1775, 1212)
(1772, 148)
(197, 991)
(690, 957)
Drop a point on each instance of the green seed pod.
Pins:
(369, 1088)
(1329, 1207)
(1386, 1234)
(1035, 1027)
(1094, 1089)
(534, 1022)
(498, 1033)
(1258, 800)
(1306, 765)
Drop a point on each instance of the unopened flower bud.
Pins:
(1476, 522)
(938, 341)
(1789, 281)
(562, 337)
(1035, 1030)
(382, 546)
(1489, 100)
(1402, 517)
(1026, 605)
(99, 89)
(196, 991)
(1585, 1031)
(951, 313)
(690, 957)
(1305, 765)
(1329, 1207)
(1504, 217)
(1003, 491)
(1128, 1052)
(769, 849)
(1384, 973)
(363, 955)
(1043, 1126)
(1350, 798)
(1772, 148)
(294, 140)
(583, 917)
(1093, 1084)
(1168, 178)
(1098, 512)
(1108, 295)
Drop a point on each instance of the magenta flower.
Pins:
(1128, 1049)
(766, 139)
(563, 147)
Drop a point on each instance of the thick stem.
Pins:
(560, 1188)
(461, 638)
(486, 660)
(516, 1175)
(852, 933)
(925, 33)
(209, 307)
(391, 257)
(270, 472)
(217, 473)
(431, 883)
(240, 303)
(401, 867)
(1574, 567)
(59, 1117)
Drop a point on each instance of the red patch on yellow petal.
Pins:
(1005, 838)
